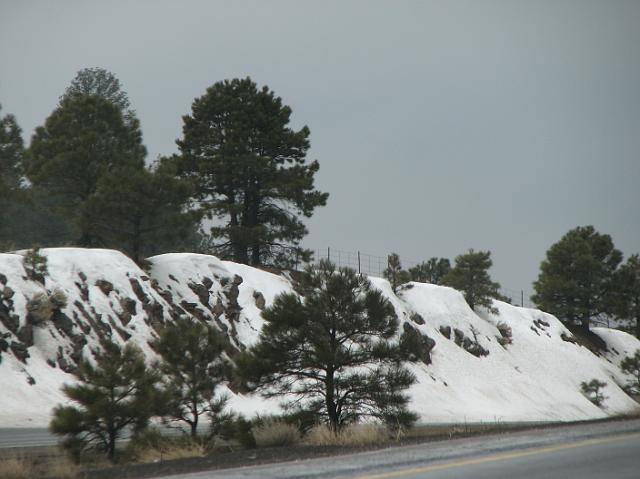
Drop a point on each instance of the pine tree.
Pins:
(104, 84)
(330, 350)
(140, 212)
(577, 279)
(116, 394)
(11, 153)
(394, 272)
(250, 171)
(470, 275)
(193, 366)
(82, 140)
(631, 366)
(431, 271)
(626, 293)
(24, 220)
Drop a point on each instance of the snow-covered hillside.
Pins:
(467, 375)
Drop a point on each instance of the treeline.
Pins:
(84, 179)
(583, 280)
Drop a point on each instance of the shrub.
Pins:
(592, 390)
(631, 365)
(350, 435)
(35, 265)
(42, 305)
(275, 432)
(151, 446)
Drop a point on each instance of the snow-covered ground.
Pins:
(535, 378)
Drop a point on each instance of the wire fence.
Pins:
(374, 265)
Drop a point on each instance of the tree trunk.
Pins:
(330, 403)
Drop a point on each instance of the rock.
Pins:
(105, 286)
(568, 338)
(207, 282)
(201, 291)
(446, 331)
(62, 322)
(416, 346)
(7, 293)
(138, 291)
(458, 336)
(418, 319)
(3, 279)
(25, 334)
(20, 351)
(4, 345)
(10, 321)
(259, 299)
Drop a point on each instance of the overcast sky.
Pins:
(439, 126)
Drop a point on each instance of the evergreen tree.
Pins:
(24, 220)
(431, 271)
(11, 153)
(193, 367)
(250, 171)
(82, 140)
(102, 83)
(627, 293)
(394, 272)
(331, 350)
(139, 212)
(116, 394)
(631, 366)
(470, 275)
(577, 279)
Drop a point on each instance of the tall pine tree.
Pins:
(330, 351)
(431, 271)
(470, 275)
(577, 278)
(250, 171)
(82, 140)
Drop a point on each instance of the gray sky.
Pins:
(439, 126)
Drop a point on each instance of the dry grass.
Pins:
(169, 450)
(351, 435)
(25, 467)
(273, 433)
(17, 467)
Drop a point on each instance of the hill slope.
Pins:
(464, 374)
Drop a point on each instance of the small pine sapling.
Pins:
(631, 365)
(35, 265)
(593, 391)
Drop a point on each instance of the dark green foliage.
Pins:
(431, 271)
(35, 265)
(192, 363)
(627, 293)
(631, 365)
(470, 275)
(593, 391)
(11, 153)
(102, 83)
(118, 393)
(250, 171)
(140, 212)
(394, 272)
(82, 140)
(331, 352)
(577, 278)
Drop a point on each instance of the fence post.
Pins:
(328, 253)
(522, 298)
(359, 263)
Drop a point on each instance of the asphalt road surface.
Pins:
(588, 451)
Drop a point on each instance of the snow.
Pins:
(536, 378)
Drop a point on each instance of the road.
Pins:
(586, 451)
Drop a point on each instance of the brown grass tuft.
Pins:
(273, 433)
(351, 435)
